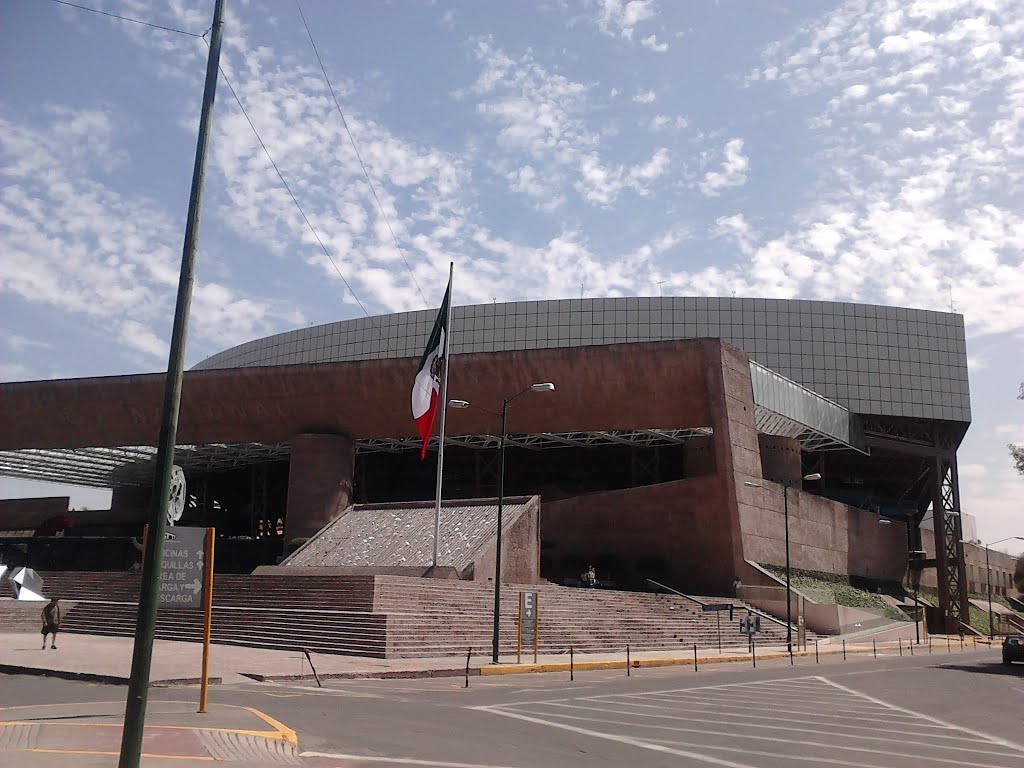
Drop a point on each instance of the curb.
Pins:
(563, 666)
(399, 674)
(90, 677)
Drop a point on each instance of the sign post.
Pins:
(528, 622)
(718, 608)
(208, 620)
(181, 567)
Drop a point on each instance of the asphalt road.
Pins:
(940, 710)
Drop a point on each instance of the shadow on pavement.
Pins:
(994, 668)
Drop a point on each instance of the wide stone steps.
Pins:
(355, 593)
(355, 633)
(403, 617)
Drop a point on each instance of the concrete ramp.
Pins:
(398, 539)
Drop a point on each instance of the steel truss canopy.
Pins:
(639, 438)
(130, 465)
(781, 407)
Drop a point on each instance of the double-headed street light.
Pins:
(544, 386)
(988, 575)
(789, 587)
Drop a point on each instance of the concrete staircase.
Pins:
(326, 616)
(394, 616)
(24, 616)
(438, 618)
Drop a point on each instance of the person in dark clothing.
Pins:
(51, 622)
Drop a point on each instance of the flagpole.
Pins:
(444, 410)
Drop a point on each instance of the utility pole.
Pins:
(142, 657)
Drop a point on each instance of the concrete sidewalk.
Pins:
(108, 660)
(88, 734)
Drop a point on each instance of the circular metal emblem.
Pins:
(176, 495)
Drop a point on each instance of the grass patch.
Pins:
(851, 591)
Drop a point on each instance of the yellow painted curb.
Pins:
(583, 666)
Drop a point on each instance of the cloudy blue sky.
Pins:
(858, 151)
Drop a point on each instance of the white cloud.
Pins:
(19, 343)
(14, 372)
(917, 175)
(651, 42)
(75, 244)
(972, 471)
(541, 120)
(736, 229)
(619, 18)
(645, 97)
(666, 123)
(732, 173)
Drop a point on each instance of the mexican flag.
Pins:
(428, 377)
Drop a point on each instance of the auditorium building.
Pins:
(678, 433)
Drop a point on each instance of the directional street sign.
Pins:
(181, 572)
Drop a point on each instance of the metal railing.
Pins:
(746, 607)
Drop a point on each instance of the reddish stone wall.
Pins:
(520, 550)
(738, 460)
(699, 456)
(682, 523)
(1001, 564)
(780, 458)
(825, 535)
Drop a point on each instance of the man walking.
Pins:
(51, 622)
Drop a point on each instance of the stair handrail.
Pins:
(746, 606)
(691, 598)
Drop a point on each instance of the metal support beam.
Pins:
(949, 550)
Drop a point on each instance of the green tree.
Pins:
(1017, 451)
(1018, 574)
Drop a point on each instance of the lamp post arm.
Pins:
(497, 554)
(789, 587)
(988, 578)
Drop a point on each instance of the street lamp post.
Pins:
(545, 386)
(912, 554)
(988, 577)
(789, 584)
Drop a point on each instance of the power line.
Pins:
(125, 18)
(359, 157)
(292, 194)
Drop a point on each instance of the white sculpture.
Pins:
(176, 495)
(28, 585)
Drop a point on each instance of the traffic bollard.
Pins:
(844, 650)
(627, 659)
(901, 645)
(815, 651)
(874, 648)
(694, 657)
(469, 652)
(572, 672)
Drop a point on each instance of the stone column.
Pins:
(319, 482)
(780, 459)
(699, 456)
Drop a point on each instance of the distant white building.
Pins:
(969, 526)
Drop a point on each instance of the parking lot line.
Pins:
(943, 723)
(829, 745)
(734, 715)
(770, 721)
